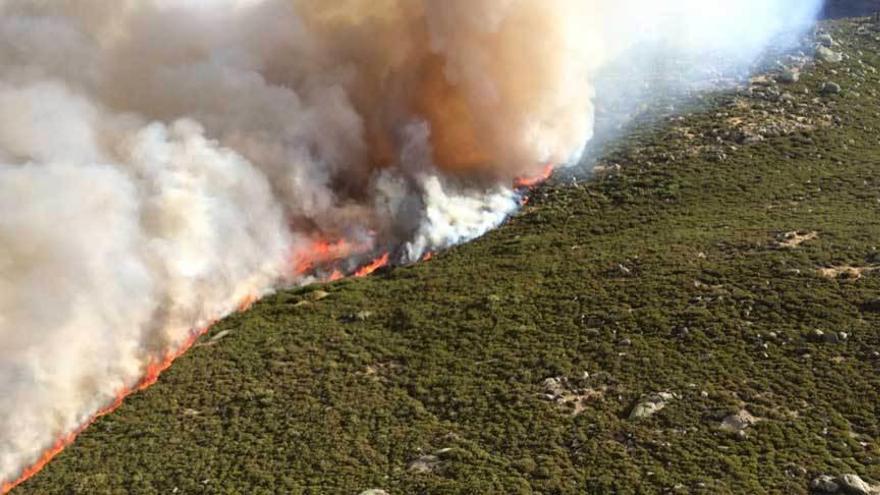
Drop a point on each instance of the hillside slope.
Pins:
(725, 258)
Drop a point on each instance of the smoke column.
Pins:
(163, 160)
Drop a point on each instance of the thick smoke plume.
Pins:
(163, 160)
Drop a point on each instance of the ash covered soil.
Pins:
(701, 316)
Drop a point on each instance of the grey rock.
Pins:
(554, 387)
(850, 484)
(854, 485)
(360, 316)
(826, 337)
(825, 40)
(762, 81)
(825, 484)
(374, 491)
(424, 464)
(221, 335)
(827, 55)
(318, 295)
(832, 338)
(739, 422)
(788, 76)
(650, 405)
(830, 88)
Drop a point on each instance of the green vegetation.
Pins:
(669, 274)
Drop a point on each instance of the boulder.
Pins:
(650, 405)
(827, 55)
(739, 422)
(830, 88)
(825, 40)
(854, 485)
(788, 76)
(424, 464)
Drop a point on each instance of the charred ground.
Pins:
(690, 265)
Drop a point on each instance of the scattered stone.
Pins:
(825, 40)
(761, 81)
(788, 76)
(748, 136)
(561, 391)
(825, 484)
(850, 484)
(374, 491)
(355, 317)
(221, 335)
(554, 387)
(650, 405)
(739, 422)
(425, 464)
(847, 272)
(827, 55)
(318, 295)
(830, 88)
(791, 240)
(820, 336)
(855, 485)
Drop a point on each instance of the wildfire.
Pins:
(530, 182)
(319, 255)
(324, 253)
(323, 259)
(320, 252)
(151, 376)
(373, 266)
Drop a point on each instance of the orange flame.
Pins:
(373, 266)
(320, 252)
(530, 182)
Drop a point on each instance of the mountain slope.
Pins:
(692, 264)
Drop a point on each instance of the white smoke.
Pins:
(161, 160)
